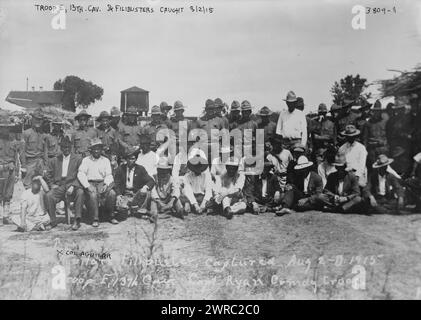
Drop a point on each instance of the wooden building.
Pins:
(137, 97)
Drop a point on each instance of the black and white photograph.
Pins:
(212, 150)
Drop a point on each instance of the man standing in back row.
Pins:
(292, 124)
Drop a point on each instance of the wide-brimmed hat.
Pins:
(95, 142)
(298, 147)
(382, 161)
(322, 108)
(291, 97)
(178, 105)
(164, 164)
(233, 162)
(156, 110)
(209, 104)
(235, 105)
(57, 120)
(115, 112)
(131, 111)
(335, 107)
(82, 113)
(197, 162)
(219, 103)
(38, 114)
(102, 115)
(164, 106)
(265, 111)
(245, 105)
(350, 131)
(303, 163)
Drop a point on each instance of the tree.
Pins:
(349, 88)
(78, 92)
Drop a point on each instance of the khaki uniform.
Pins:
(53, 144)
(8, 159)
(151, 130)
(130, 134)
(81, 140)
(33, 155)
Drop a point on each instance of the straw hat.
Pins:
(382, 161)
(350, 131)
(235, 105)
(131, 151)
(291, 97)
(38, 114)
(233, 162)
(164, 106)
(303, 163)
(115, 112)
(96, 142)
(178, 105)
(156, 110)
(245, 105)
(163, 164)
(265, 111)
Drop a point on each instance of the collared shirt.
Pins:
(264, 187)
(129, 177)
(293, 125)
(199, 184)
(356, 156)
(382, 185)
(35, 145)
(306, 182)
(81, 139)
(149, 161)
(341, 187)
(324, 170)
(65, 166)
(95, 169)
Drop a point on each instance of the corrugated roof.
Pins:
(34, 99)
(135, 89)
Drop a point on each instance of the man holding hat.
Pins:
(305, 192)
(95, 175)
(8, 167)
(355, 153)
(229, 189)
(62, 180)
(342, 192)
(235, 115)
(130, 129)
(34, 154)
(383, 192)
(83, 135)
(292, 123)
(197, 183)
(133, 184)
(166, 193)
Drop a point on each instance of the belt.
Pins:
(96, 181)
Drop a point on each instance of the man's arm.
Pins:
(279, 124)
(82, 173)
(108, 179)
(304, 134)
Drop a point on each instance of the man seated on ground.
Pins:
(383, 192)
(166, 193)
(33, 216)
(228, 190)
(197, 183)
(63, 182)
(413, 184)
(95, 175)
(280, 158)
(325, 168)
(133, 185)
(342, 191)
(262, 192)
(147, 158)
(305, 192)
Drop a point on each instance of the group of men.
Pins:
(354, 158)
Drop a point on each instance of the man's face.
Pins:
(96, 152)
(179, 113)
(83, 122)
(319, 158)
(105, 123)
(246, 114)
(291, 106)
(115, 120)
(131, 119)
(231, 170)
(37, 122)
(265, 119)
(156, 117)
(131, 161)
(35, 187)
(322, 113)
(65, 149)
(341, 172)
(382, 170)
(350, 139)
(399, 112)
(57, 127)
(145, 147)
(235, 114)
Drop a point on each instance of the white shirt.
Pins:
(306, 181)
(341, 187)
(95, 169)
(356, 157)
(65, 166)
(382, 185)
(293, 125)
(129, 177)
(149, 161)
(264, 187)
(324, 170)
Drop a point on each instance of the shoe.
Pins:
(95, 224)
(187, 208)
(114, 221)
(76, 225)
(228, 213)
(283, 212)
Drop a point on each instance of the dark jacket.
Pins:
(253, 189)
(140, 179)
(55, 167)
(393, 186)
(315, 185)
(351, 188)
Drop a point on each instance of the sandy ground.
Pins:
(310, 255)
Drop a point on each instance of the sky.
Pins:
(255, 50)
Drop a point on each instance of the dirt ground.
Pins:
(310, 255)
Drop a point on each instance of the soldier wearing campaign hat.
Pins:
(151, 129)
(266, 124)
(324, 133)
(83, 134)
(113, 144)
(177, 119)
(116, 120)
(234, 115)
(129, 130)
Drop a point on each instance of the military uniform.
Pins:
(8, 160)
(34, 155)
(81, 139)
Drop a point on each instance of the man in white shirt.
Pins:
(147, 158)
(96, 177)
(292, 123)
(62, 180)
(355, 154)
